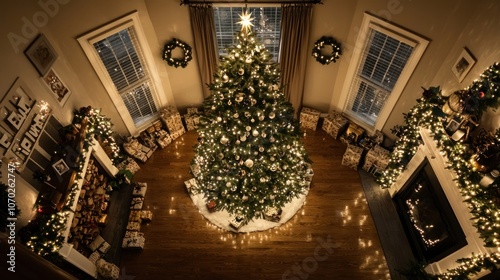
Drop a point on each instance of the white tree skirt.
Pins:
(222, 218)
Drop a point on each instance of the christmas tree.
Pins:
(249, 157)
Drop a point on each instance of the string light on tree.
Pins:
(249, 153)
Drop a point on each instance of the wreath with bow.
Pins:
(180, 61)
(326, 58)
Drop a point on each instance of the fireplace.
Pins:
(432, 228)
(428, 167)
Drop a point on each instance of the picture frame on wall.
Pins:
(60, 167)
(463, 64)
(41, 54)
(56, 86)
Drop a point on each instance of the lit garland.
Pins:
(250, 155)
(176, 62)
(45, 233)
(320, 45)
(427, 114)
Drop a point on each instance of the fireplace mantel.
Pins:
(429, 150)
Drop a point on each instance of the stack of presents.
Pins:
(142, 147)
(133, 237)
(362, 150)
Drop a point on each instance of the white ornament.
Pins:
(225, 78)
(255, 133)
(243, 138)
(228, 184)
(251, 89)
(224, 140)
(244, 198)
(261, 117)
(219, 119)
(249, 163)
(272, 115)
(248, 60)
(236, 115)
(248, 128)
(261, 149)
(241, 71)
(272, 196)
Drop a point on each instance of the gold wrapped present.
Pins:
(137, 203)
(134, 241)
(353, 134)
(191, 185)
(192, 110)
(272, 214)
(133, 226)
(376, 160)
(172, 119)
(176, 134)
(140, 189)
(236, 222)
(335, 124)
(192, 121)
(309, 118)
(135, 216)
(352, 156)
(146, 216)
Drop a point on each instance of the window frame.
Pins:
(357, 61)
(87, 43)
(242, 5)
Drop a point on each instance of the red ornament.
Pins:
(481, 94)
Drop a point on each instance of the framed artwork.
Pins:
(59, 90)
(463, 65)
(60, 167)
(41, 54)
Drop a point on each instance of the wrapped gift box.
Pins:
(353, 134)
(272, 214)
(134, 241)
(335, 124)
(195, 169)
(163, 138)
(176, 134)
(193, 110)
(135, 216)
(140, 189)
(192, 121)
(352, 156)
(236, 222)
(95, 256)
(376, 160)
(309, 172)
(191, 185)
(137, 203)
(172, 119)
(309, 118)
(129, 164)
(211, 206)
(107, 270)
(133, 226)
(146, 216)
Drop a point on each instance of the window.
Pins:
(266, 25)
(382, 64)
(119, 55)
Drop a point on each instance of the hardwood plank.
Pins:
(182, 244)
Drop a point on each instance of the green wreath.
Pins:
(176, 62)
(320, 44)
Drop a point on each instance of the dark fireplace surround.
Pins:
(430, 224)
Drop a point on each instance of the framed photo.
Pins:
(59, 90)
(60, 167)
(41, 54)
(463, 65)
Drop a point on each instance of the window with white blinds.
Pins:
(382, 62)
(122, 58)
(266, 25)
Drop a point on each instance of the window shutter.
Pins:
(266, 26)
(383, 59)
(121, 55)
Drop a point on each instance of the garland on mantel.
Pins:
(483, 201)
(45, 233)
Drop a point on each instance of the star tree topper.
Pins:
(246, 21)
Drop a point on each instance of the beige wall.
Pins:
(449, 25)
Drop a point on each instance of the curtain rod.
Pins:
(194, 2)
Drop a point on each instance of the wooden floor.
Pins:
(332, 237)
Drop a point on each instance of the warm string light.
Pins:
(485, 211)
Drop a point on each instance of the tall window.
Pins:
(383, 62)
(266, 26)
(119, 60)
